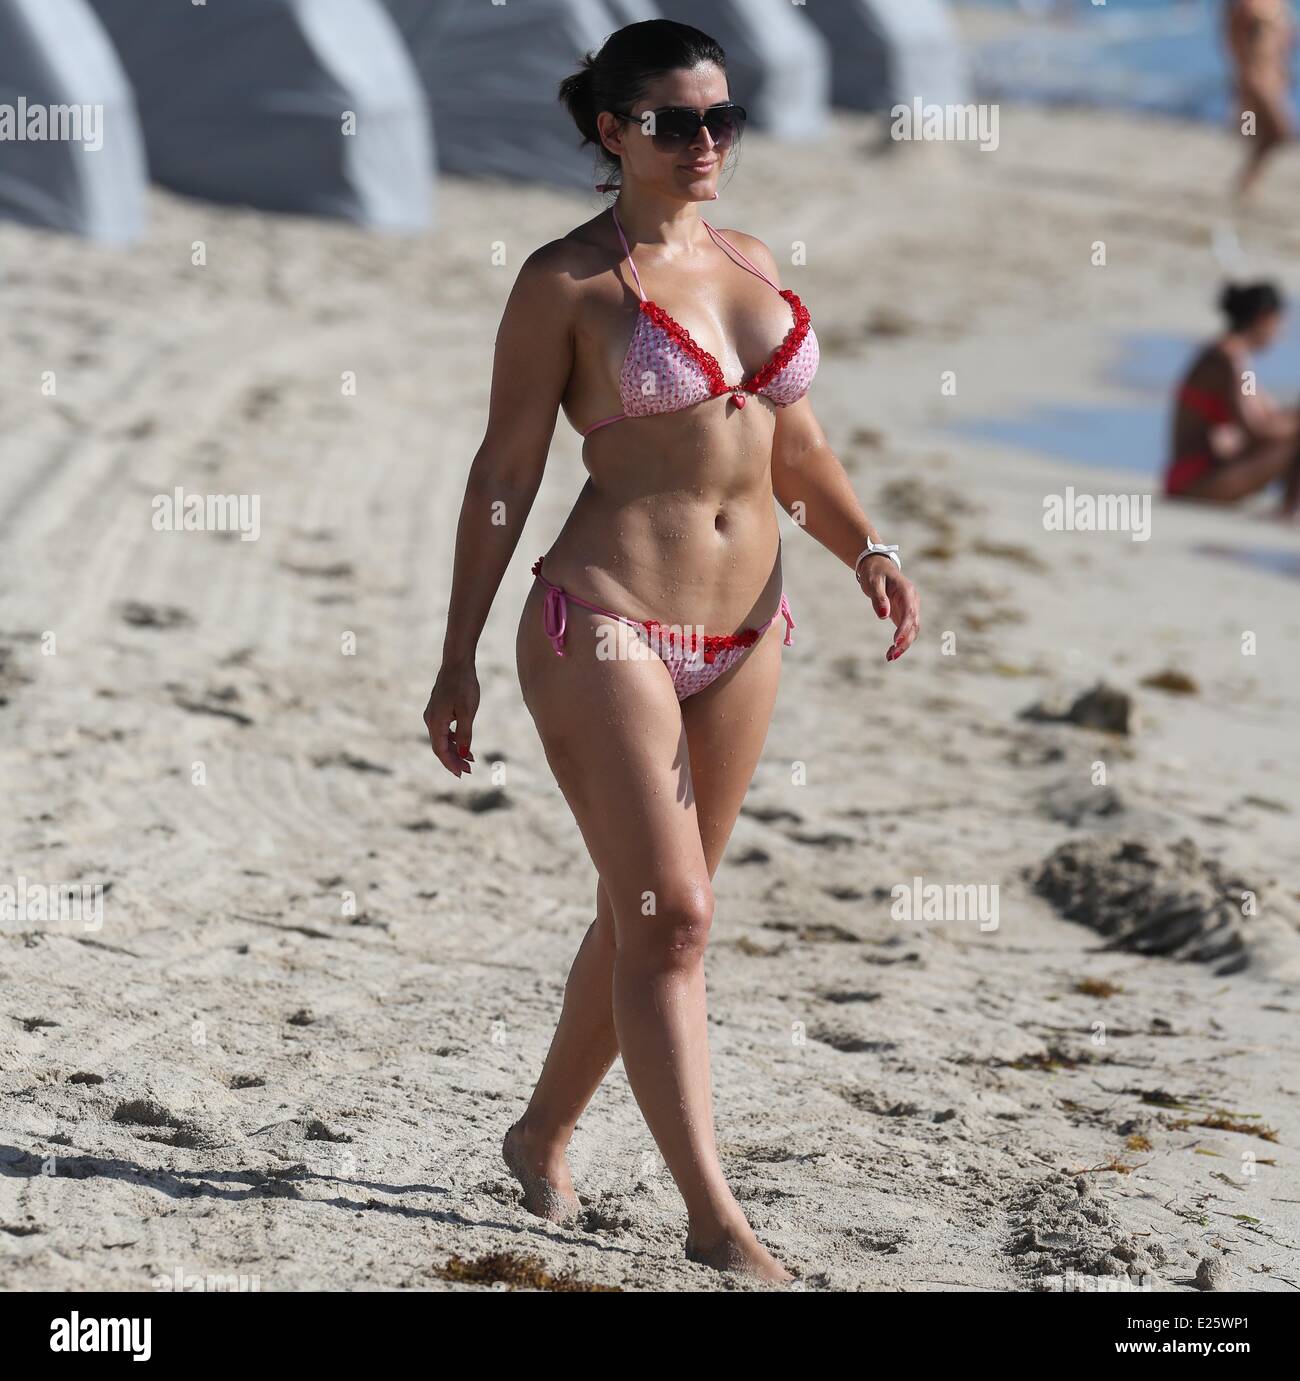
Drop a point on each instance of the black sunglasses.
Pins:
(674, 127)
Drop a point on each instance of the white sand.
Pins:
(871, 1114)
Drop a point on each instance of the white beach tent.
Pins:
(310, 106)
(778, 66)
(491, 75)
(887, 52)
(54, 57)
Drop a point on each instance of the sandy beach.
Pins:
(326, 973)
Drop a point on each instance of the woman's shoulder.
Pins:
(556, 278)
(573, 261)
(1210, 360)
(751, 247)
(556, 259)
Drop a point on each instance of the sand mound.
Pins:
(1152, 898)
(1102, 707)
(1065, 1237)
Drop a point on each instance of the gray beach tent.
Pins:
(57, 66)
(889, 52)
(491, 73)
(632, 11)
(309, 106)
(778, 66)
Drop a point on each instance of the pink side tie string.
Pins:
(554, 617)
(789, 621)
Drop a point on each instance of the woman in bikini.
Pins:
(649, 646)
(1260, 34)
(1229, 440)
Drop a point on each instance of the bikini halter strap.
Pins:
(627, 253)
(718, 238)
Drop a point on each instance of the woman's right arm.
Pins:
(1258, 419)
(530, 371)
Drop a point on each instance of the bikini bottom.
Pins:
(694, 659)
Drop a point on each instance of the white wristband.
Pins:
(877, 549)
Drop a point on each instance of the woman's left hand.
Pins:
(892, 596)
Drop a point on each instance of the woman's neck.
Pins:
(650, 219)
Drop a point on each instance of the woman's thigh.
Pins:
(1263, 92)
(612, 733)
(726, 727)
(1245, 475)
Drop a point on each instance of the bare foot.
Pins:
(543, 1176)
(739, 1250)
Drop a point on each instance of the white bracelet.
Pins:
(877, 549)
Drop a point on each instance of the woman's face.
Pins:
(684, 171)
(1266, 330)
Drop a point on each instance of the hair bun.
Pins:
(578, 92)
(1245, 303)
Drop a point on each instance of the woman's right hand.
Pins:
(1227, 440)
(453, 699)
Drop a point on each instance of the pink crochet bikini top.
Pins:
(664, 369)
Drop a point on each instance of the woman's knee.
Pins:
(603, 925)
(669, 928)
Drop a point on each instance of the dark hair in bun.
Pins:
(1245, 303)
(616, 77)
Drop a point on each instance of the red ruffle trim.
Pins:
(788, 348)
(759, 380)
(712, 643)
(712, 369)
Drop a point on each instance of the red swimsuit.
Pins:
(1187, 469)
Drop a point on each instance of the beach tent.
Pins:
(60, 76)
(632, 11)
(778, 66)
(889, 52)
(290, 105)
(491, 74)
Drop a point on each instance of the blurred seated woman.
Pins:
(1229, 439)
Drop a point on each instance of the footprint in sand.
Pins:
(351, 761)
(141, 615)
(849, 1043)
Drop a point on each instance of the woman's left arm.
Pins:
(810, 484)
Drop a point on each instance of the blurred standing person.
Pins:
(1260, 34)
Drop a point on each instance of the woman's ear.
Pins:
(610, 129)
